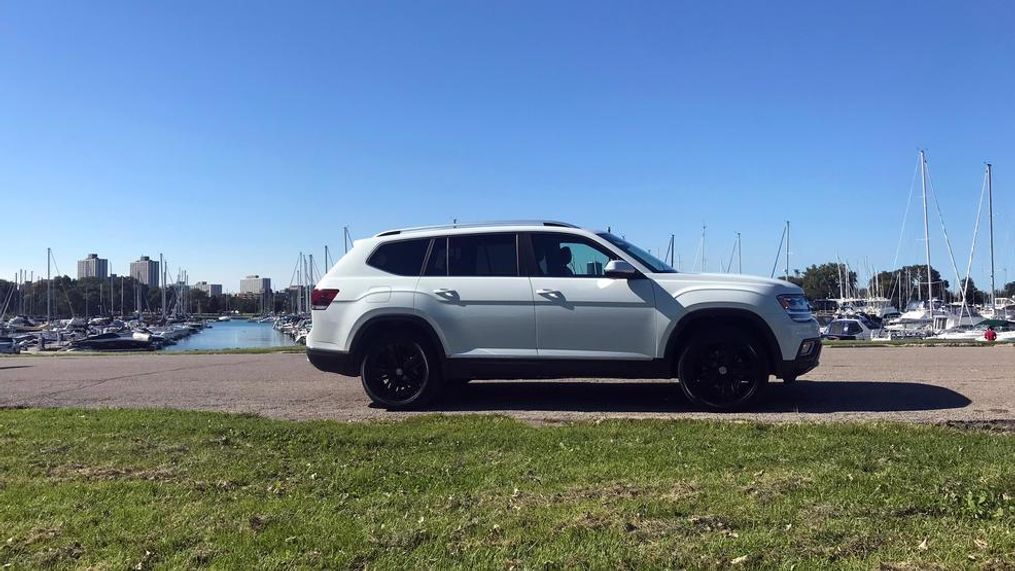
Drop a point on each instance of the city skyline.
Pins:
(231, 154)
(86, 268)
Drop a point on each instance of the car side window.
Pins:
(565, 256)
(483, 255)
(403, 258)
(437, 263)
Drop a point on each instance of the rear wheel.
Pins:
(400, 372)
(723, 370)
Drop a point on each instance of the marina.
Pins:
(964, 314)
(23, 334)
(150, 311)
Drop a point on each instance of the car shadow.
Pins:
(655, 396)
(14, 367)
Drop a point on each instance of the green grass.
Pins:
(119, 489)
(911, 343)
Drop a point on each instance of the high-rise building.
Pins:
(146, 271)
(255, 284)
(210, 289)
(93, 267)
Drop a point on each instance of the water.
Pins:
(231, 335)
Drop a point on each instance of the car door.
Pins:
(582, 314)
(472, 288)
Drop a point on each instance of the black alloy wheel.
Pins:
(723, 371)
(398, 373)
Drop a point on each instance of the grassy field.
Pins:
(914, 343)
(145, 489)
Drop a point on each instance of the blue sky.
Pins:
(232, 135)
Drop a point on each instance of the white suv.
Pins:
(410, 311)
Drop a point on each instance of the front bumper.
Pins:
(805, 361)
(328, 361)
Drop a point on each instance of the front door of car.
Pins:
(582, 314)
(472, 288)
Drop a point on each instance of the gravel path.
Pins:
(919, 384)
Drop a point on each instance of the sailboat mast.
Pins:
(838, 268)
(926, 225)
(990, 209)
(162, 283)
(49, 286)
(702, 248)
(740, 255)
(787, 250)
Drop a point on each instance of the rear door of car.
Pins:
(472, 289)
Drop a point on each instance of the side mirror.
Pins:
(620, 269)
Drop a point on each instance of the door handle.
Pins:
(445, 293)
(547, 292)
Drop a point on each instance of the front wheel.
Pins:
(400, 372)
(723, 370)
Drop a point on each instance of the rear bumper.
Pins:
(340, 362)
(805, 361)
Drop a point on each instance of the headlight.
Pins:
(796, 306)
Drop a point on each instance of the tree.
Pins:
(823, 281)
(795, 280)
(1008, 290)
(973, 295)
(907, 282)
(197, 300)
(215, 304)
(886, 284)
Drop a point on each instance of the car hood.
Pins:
(726, 281)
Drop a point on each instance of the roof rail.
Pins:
(551, 223)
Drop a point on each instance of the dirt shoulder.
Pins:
(918, 384)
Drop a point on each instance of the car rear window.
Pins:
(403, 258)
(483, 255)
(844, 327)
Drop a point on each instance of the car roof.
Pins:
(500, 224)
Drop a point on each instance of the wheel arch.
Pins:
(694, 321)
(398, 322)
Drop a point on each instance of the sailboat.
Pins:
(968, 323)
(921, 314)
(1000, 307)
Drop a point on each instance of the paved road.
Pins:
(922, 384)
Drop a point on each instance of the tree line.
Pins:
(833, 280)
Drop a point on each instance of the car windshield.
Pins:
(648, 260)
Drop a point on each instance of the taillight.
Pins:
(322, 298)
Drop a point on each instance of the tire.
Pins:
(401, 371)
(723, 370)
